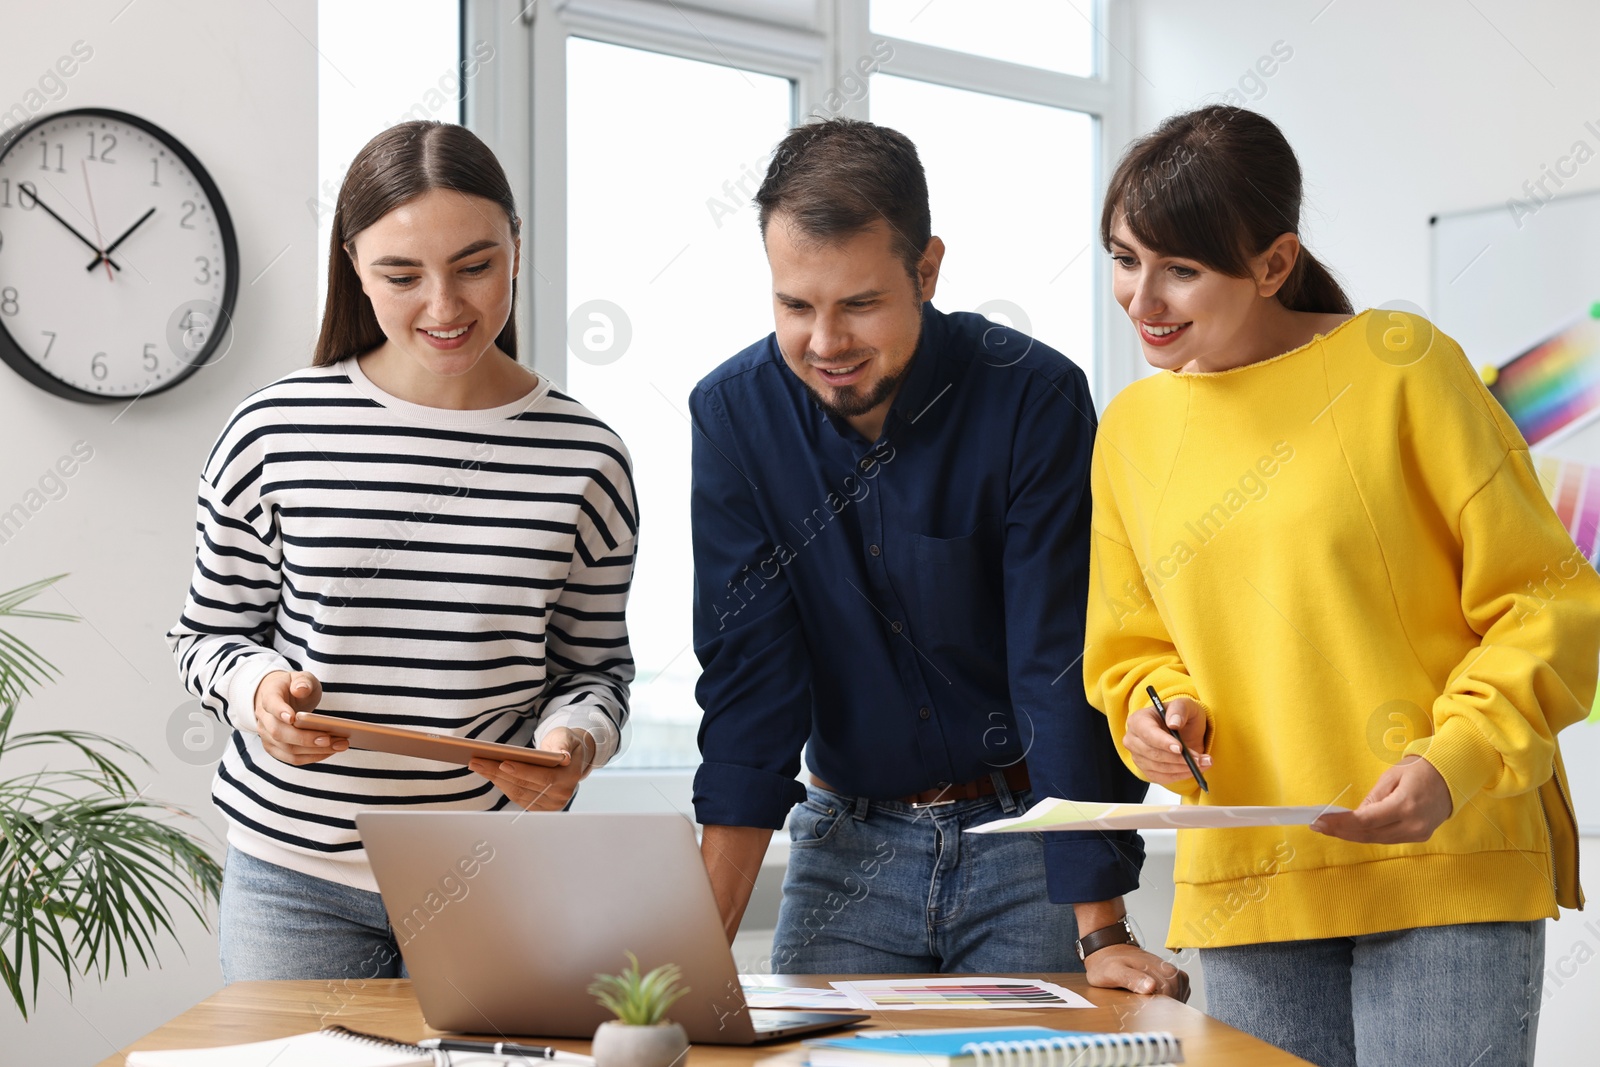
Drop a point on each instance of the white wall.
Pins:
(237, 83)
(1397, 110)
(1400, 111)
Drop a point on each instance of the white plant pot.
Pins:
(619, 1045)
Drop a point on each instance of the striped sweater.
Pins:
(463, 571)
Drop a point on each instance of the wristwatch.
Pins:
(1118, 933)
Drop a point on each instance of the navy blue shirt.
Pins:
(909, 609)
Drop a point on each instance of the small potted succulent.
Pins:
(641, 1035)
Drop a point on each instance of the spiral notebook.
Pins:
(1011, 1046)
(334, 1045)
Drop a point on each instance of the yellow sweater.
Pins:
(1343, 553)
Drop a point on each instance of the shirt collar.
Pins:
(924, 377)
(922, 382)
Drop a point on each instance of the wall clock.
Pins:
(118, 264)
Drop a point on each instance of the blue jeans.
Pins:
(278, 923)
(877, 887)
(1433, 996)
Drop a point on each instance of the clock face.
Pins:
(118, 266)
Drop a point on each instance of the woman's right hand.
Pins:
(1154, 751)
(279, 696)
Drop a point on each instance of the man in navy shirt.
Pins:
(891, 517)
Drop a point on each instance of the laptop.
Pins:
(504, 919)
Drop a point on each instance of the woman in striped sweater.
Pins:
(417, 531)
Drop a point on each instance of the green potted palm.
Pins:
(90, 869)
(641, 1035)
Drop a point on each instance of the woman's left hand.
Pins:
(1409, 802)
(539, 788)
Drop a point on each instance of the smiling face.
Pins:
(1187, 315)
(440, 272)
(848, 316)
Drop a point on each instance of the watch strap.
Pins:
(1118, 933)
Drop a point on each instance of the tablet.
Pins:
(423, 744)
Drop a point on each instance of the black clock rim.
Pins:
(11, 352)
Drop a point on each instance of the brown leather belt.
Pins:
(1016, 779)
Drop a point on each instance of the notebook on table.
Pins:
(335, 1045)
(1011, 1046)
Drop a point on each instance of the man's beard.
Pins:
(849, 401)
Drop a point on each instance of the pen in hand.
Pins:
(1161, 713)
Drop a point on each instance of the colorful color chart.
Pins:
(1555, 385)
(945, 993)
(1574, 491)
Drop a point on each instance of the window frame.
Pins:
(1106, 97)
(517, 104)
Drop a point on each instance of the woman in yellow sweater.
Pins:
(1322, 543)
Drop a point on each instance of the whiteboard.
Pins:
(1505, 277)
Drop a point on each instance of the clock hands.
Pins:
(70, 229)
(94, 218)
(112, 247)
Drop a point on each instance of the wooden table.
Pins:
(257, 1011)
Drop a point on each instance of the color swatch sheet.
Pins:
(909, 994)
(1553, 387)
(1052, 813)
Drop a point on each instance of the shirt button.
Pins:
(874, 550)
(923, 713)
(895, 626)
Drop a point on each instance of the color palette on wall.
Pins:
(1553, 387)
(1574, 491)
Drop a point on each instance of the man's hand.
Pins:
(543, 788)
(278, 698)
(1125, 966)
(1409, 802)
(1154, 751)
(1130, 967)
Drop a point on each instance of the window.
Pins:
(666, 278)
(638, 132)
(383, 62)
(1052, 34)
(1013, 206)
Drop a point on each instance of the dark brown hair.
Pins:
(835, 178)
(1218, 185)
(399, 165)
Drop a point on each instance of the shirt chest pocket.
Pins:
(957, 592)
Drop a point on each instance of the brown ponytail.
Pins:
(398, 165)
(1218, 185)
(1312, 287)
